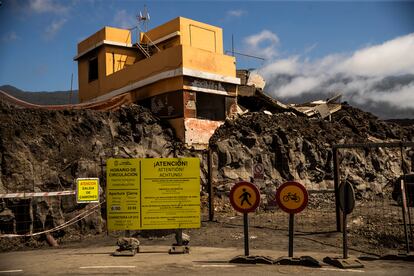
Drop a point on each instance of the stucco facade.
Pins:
(178, 70)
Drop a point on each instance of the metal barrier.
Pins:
(31, 214)
(377, 219)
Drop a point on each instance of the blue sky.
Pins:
(38, 38)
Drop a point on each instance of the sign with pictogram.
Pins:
(292, 197)
(244, 197)
(258, 171)
(87, 190)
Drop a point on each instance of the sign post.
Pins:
(292, 198)
(346, 204)
(245, 198)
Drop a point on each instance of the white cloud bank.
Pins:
(263, 44)
(359, 76)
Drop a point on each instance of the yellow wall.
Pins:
(118, 35)
(162, 30)
(201, 49)
(166, 60)
(210, 62)
(192, 33)
(118, 58)
(201, 35)
(106, 33)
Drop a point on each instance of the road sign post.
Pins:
(292, 198)
(346, 204)
(245, 198)
(246, 234)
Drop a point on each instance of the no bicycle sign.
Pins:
(292, 197)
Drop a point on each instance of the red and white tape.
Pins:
(41, 194)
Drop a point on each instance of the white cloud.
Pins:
(47, 6)
(123, 19)
(299, 85)
(10, 36)
(283, 66)
(263, 44)
(54, 28)
(392, 57)
(235, 13)
(357, 75)
(401, 97)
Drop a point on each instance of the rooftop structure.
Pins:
(178, 70)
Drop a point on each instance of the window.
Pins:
(210, 106)
(93, 69)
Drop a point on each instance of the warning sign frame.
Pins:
(283, 206)
(122, 193)
(258, 171)
(94, 187)
(233, 197)
(166, 193)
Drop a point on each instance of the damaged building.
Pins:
(178, 70)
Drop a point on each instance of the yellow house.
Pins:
(178, 70)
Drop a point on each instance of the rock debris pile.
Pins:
(44, 151)
(296, 148)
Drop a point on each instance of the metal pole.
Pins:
(71, 90)
(179, 233)
(232, 45)
(336, 186)
(246, 234)
(344, 213)
(344, 236)
(210, 187)
(291, 231)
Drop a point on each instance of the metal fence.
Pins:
(377, 222)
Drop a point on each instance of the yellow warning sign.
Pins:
(170, 193)
(123, 194)
(87, 190)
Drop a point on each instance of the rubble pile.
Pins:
(45, 151)
(293, 147)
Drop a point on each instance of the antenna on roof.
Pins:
(143, 18)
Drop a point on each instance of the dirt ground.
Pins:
(216, 242)
(212, 247)
(315, 230)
